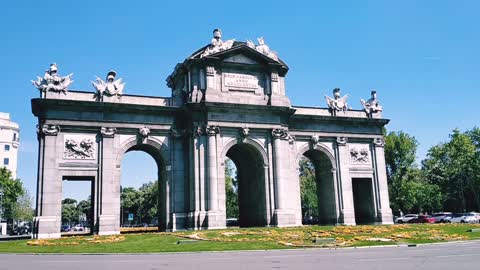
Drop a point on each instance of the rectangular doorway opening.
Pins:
(363, 200)
(77, 205)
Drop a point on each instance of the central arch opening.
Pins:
(142, 199)
(250, 181)
(317, 188)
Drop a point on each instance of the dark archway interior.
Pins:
(161, 177)
(251, 185)
(363, 200)
(325, 186)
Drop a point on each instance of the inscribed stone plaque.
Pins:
(241, 81)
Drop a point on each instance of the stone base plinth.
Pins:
(386, 216)
(347, 217)
(109, 225)
(46, 227)
(180, 221)
(196, 220)
(216, 220)
(285, 218)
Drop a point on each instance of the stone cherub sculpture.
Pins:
(372, 105)
(262, 48)
(51, 81)
(217, 45)
(337, 103)
(111, 87)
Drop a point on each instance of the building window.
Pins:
(6, 161)
(14, 137)
(7, 147)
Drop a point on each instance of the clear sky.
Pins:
(423, 57)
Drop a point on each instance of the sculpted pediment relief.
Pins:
(240, 59)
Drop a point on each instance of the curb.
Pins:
(234, 251)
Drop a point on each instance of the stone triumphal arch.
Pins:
(228, 100)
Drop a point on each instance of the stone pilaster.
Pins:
(49, 211)
(215, 219)
(347, 210)
(109, 201)
(284, 215)
(385, 212)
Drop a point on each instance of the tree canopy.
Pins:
(448, 179)
(15, 198)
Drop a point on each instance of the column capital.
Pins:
(212, 130)
(198, 130)
(342, 141)
(108, 132)
(177, 133)
(279, 133)
(48, 130)
(379, 142)
(210, 70)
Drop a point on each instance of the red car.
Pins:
(422, 219)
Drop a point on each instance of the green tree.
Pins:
(84, 207)
(23, 210)
(231, 189)
(400, 153)
(308, 188)
(70, 212)
(409, 189)
(150, 197)
(455, 167)
(12, 191)
(130, 200)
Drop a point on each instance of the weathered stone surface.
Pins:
(227, 101)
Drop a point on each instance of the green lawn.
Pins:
(249, 239)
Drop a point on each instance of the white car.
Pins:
(442, 217)
(464, 218)
(477, 216)
(406, 218)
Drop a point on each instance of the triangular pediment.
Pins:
(240, 51)
(240, 59)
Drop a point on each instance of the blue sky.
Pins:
(423, 57)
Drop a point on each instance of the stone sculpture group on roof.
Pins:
(53, 82)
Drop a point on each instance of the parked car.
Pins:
(422, 219)
(22, 229)
(78, 228)
(477, 216)
(444, 217)
(464, 218)
(65, 228)
(232, 222)
(310, 220)
(406, 218)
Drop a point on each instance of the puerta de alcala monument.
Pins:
(228, 100)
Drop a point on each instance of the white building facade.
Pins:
(9, 143)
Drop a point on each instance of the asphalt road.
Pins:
(455, 256)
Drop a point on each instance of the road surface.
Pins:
(457, 256)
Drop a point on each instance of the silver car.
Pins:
(406, 218)
(444, 217)
(464, 218)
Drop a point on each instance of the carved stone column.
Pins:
(49, 192)
(109, 187)
(347, 210)
(385, 212)
(212, 131)
(278, 135)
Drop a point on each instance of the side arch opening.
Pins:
(317, 186)
(250, 185)
(143, 199)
